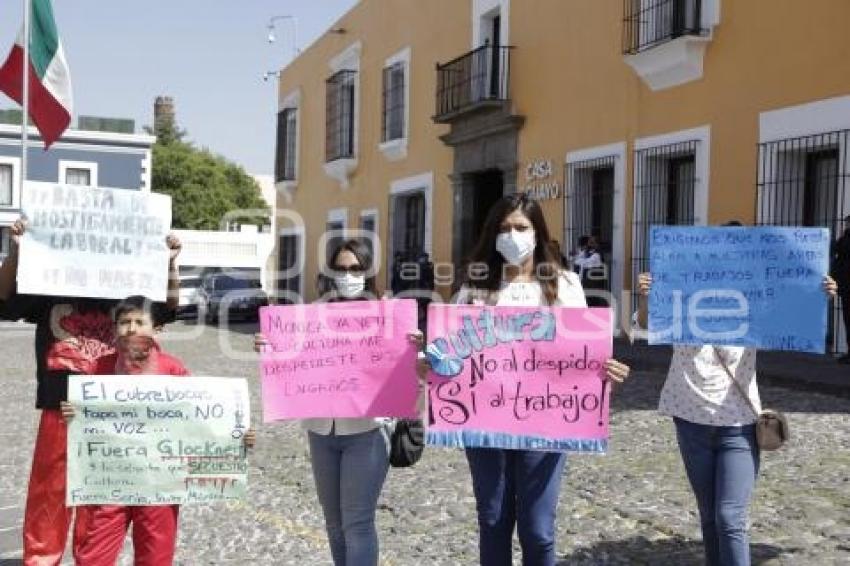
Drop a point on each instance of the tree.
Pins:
(204, 187)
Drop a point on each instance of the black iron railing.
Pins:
(339, 121)
(589, 202)
(805, 181)
(648, 23)
(286, 143)
(665, 194)
(392, 117)
(7, 185)
(480, 75)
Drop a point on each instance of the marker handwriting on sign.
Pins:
(488, 331)
(758, 287)
(98, 391)
(519, 377)
(136, 443)
(339, 360)
(529, 395)
(97, 242)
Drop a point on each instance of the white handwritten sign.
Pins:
(94, 242)
(156, 440)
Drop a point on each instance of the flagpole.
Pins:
(25, 95)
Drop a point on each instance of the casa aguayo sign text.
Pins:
(540, 181)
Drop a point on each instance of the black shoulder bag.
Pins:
(407, 442)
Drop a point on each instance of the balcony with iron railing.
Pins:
(649, 23)
(475, 80)
(665, 41)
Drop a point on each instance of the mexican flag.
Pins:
(50, 100)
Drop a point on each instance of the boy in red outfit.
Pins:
(99, 530)
(70, 334)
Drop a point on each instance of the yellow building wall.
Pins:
(571, 82)
(437, 30)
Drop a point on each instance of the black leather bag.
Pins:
(407, 442)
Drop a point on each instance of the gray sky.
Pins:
(210, 55)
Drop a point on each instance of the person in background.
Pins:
(588, 257)
(577, 255)
(413, 278)
(840, 268)
(594, 274)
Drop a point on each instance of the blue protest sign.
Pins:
(760, 287)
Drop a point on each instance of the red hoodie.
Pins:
(138, 355)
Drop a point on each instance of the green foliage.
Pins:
(204, 187)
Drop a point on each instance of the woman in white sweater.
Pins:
(519, 488)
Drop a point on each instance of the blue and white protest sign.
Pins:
(760, 287)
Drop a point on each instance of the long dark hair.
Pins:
(546, 263)
(364, 257)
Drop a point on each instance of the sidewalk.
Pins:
(804, 372)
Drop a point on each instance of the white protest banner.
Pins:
(156, 440)
(94, 242)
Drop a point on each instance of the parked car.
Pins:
(189, 288)
(228, 296)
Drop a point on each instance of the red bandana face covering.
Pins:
(136, 354)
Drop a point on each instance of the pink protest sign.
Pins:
(527, 378)
(343, 359)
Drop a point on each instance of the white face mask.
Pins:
(516, 247)
(349, 285)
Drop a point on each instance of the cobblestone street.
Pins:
(629, 507)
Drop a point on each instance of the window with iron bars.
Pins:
(5, 240)
(339, 122)
(648, 23)
(665, 186)
(335, 237)
(589, 205)
(368, 225)
(289, 277)
(805, 181)
(414, 222)
(7, 176)
(393, 102)
(287, 122)
(78, 176)
(408, 226)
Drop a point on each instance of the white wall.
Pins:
(226, 249)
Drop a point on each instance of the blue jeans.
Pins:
(349, 472)
(722, 463)
(516, 487)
